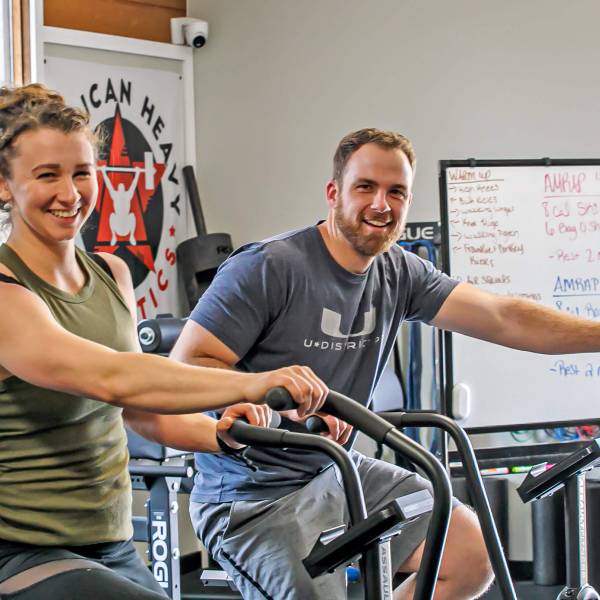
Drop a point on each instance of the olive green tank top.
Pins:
(63, 458)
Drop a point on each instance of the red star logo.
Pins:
(142, 195)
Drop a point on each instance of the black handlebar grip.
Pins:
(280, 399)
(243, 433)
(316, 424)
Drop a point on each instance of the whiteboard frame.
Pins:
(446, 367)
(43, 34)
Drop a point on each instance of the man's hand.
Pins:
(307, 390)
(259, 415)
(339, 431)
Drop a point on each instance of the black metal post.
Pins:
(574, 532)
(162, 531)
(377, 568)
(163, 534)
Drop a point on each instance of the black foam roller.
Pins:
(159, 335)
(548, 522)
(496, 489)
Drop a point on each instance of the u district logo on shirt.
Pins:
(138, 190)
(331, 326)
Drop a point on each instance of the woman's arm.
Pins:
(35, 348)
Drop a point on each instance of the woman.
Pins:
(70, 371)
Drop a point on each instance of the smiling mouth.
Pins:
(376, 223)
(64, 214)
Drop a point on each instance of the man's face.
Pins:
(371, 205)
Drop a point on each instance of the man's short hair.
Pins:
(389, 140)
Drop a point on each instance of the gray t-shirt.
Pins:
(285, 301)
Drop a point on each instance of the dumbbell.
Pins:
(148, 170)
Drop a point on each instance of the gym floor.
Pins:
(525, 591)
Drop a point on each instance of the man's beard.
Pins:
(366, 245)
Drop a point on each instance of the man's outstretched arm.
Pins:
(516, 323)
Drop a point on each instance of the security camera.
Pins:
(189, 31)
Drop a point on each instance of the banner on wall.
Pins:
(142, 214)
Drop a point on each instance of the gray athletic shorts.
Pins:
(261, 544)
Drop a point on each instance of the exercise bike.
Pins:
(570, 473)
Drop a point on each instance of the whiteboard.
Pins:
(527, 229)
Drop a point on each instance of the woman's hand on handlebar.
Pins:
(255, 414)
(307, 390)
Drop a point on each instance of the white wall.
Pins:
(281, 81)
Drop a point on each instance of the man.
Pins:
(332, 296)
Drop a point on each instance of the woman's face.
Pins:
(53, 185)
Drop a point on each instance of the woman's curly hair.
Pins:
(33, 107)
